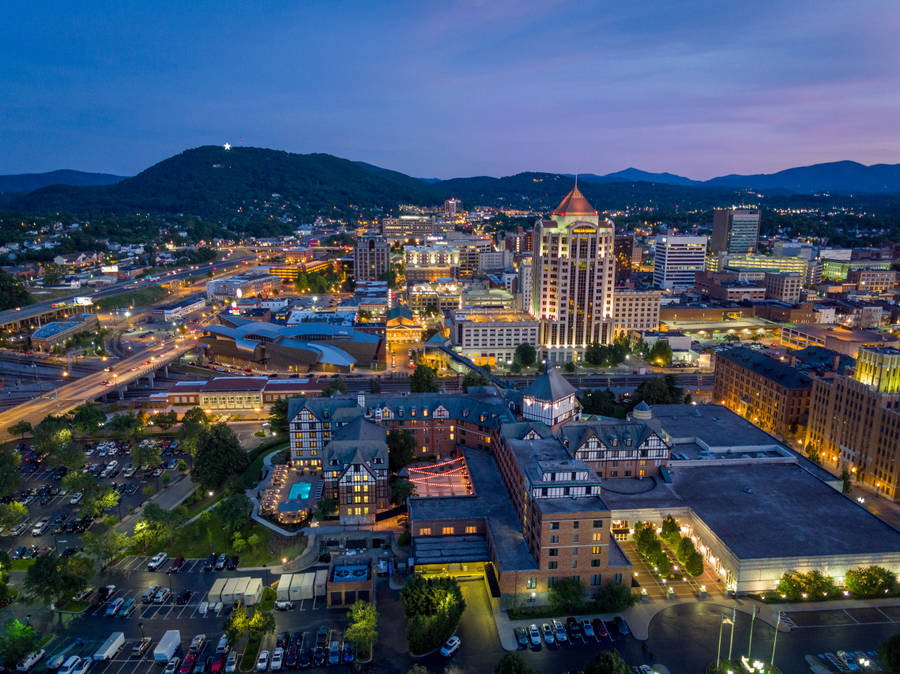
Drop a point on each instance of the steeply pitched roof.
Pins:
(575, 204)
(550, 386)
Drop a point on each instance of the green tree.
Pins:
(53, 437)
(474, 378)
(606, 662)
(260, 623)
(512, 663)
(685, 549)
(423, 379)
(195, 415)
(104, 546)
(694, 564)
(613, 597)
(278, 419)
(401, 449)
(870, 581)
(88, 418)
(662, 563)
(237, 624)
(660, 353)
(126, 424)
(17, 641)
(52, 579)
(670, 531)
(567, 595)
(146, 454)
(20, 428)
(12, 513)
(433, 608)
(889, 653)
(165, 420)
(602, 402)
(234, 512)
(363, 629)
(525, 354)
(325, 508)
(9, 472)
(845, 479)
(334, 385)
(219, 456)
(12, 292)
(401, 489)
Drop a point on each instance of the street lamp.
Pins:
(724, 619)
(141, 628)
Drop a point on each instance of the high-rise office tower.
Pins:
(573, 278)
(734, 230)
(677, 259)
(371, 257)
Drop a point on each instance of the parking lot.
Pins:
(42, 491)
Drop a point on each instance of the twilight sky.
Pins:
(446, 89)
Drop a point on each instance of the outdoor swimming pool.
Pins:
(299, 491)
(350, 572)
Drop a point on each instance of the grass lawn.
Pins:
(74, 606)
(20, 564)
(142, 297)
(248, 660)
(203, 503)
(267, 603)
(198, 540)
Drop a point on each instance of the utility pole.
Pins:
(750, 642)
(775, 639)
(731, 639)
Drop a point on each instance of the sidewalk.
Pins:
(167, 498)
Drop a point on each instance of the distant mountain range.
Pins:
(28, 182)
(210, 181)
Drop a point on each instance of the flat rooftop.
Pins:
(51, 329)
(774, 370)
(496, 317)
(710, 427)
(490, 503)
(763, 511)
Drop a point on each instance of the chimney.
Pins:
(361, 400)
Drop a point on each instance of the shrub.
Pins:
(870, 581)
(433, 608)
(685, 549)
(613, 597)
(694, 564)
(812, 585)
(670, 532)
(567, 595)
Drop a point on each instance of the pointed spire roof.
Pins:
(575, 204)
(550, 386)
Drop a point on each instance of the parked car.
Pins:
(349, 655)
(210, 563)
(105, 592)
(183, 598)
(158, 560)
(277, 659)
(114, 607)
(176, 565)
(217, 664)
(304, 660)
(600, 628)
(172, 665)
(75, 498)
(148, 596)
(534, 634)
(282, 605)
(587, 629)
(521, 637)
(127, 608)
(231, 663)
(221, 561)
(547, 631)
(141, 647)
(451, 646)
(188, 663)
(84, 667)
(262, 661)
(560, 630)
(162, 596)
(622, 626)
(197, 643)
(334, 652)
(222, 646)
(232, 562)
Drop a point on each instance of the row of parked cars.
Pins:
(555, 633)
(294, 651)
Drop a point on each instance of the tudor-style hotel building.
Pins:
(573, 278)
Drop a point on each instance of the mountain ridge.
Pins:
(211, 181)
(28, 182)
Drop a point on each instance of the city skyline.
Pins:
(698, 90)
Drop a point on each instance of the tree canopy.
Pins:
(423, 379)
(219, 456)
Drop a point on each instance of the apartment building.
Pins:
(490, 337)
(636, 310)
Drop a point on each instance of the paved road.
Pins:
(91, 386)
